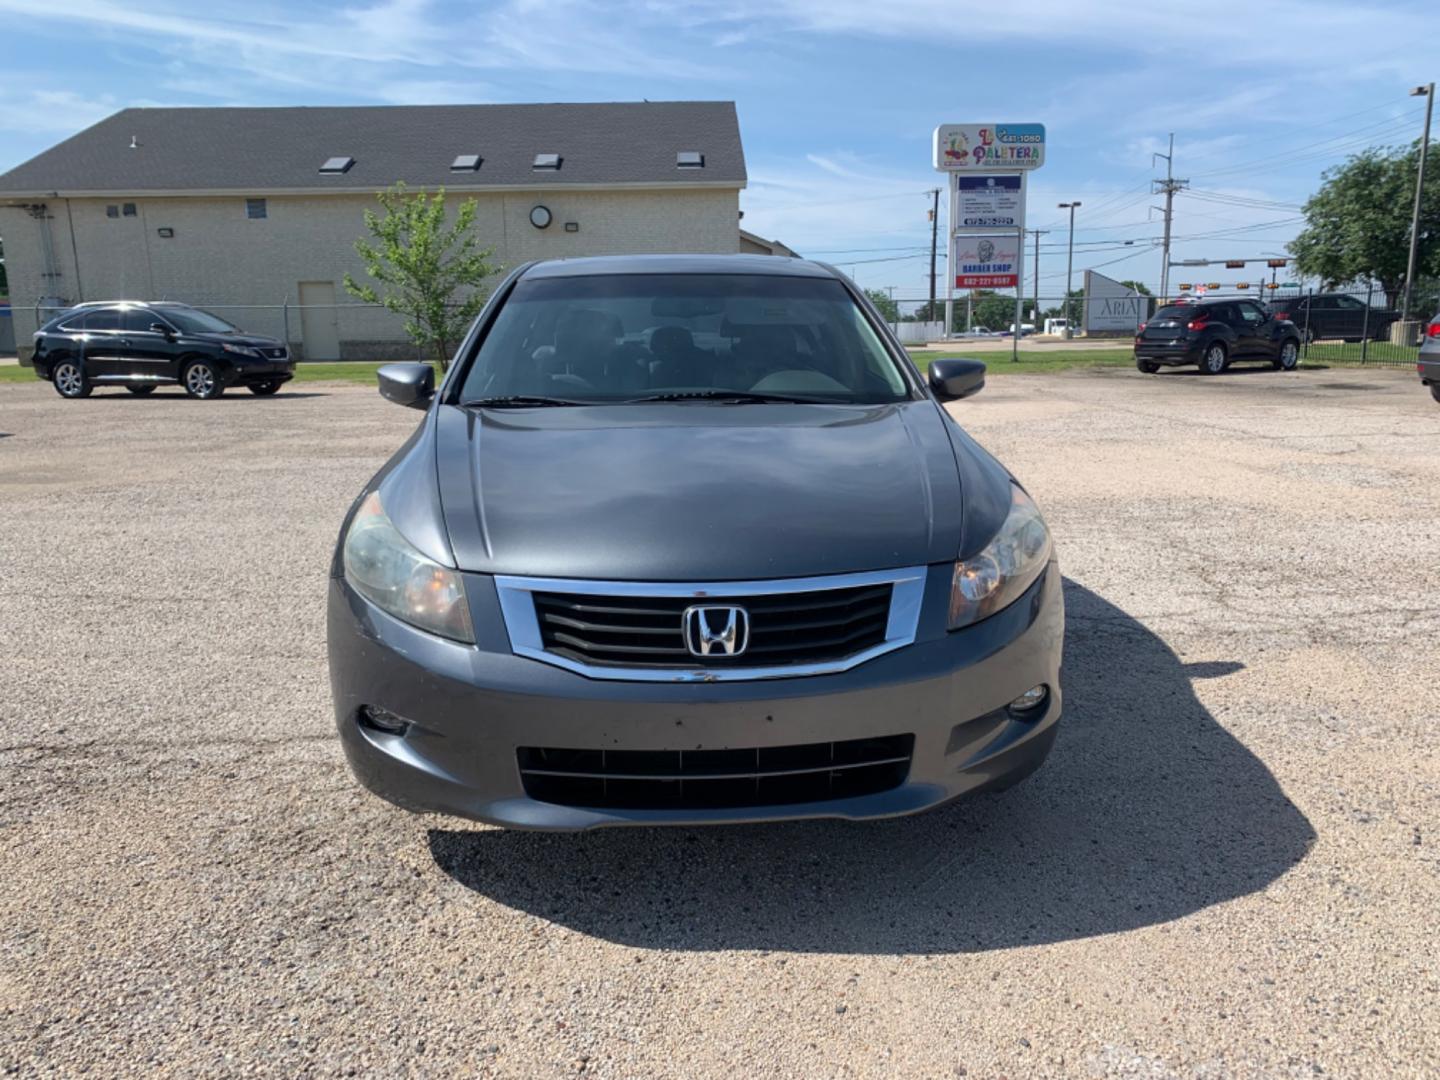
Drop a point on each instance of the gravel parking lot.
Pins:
(1229, 867)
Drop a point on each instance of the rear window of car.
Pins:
(1175, 311)
(618, 337)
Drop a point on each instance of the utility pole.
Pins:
(934, 241)
(1169, 186)
(1069, 264)
(1428, 92)
(1035, 299)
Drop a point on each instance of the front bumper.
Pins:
(246, 373)
(472, 707)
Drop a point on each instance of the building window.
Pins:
(129, 209)
(112, 211)
(255, 208)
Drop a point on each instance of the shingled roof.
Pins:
(194, 151)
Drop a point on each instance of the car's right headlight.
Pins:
(386, 569)
(1009, 564)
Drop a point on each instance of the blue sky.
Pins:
(837, 98)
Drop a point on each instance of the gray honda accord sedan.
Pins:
(685, 540)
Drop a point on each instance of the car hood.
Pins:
(687, 492)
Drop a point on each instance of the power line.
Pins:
(1288, 157)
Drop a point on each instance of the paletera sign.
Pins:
(989, 147)
(986, 262)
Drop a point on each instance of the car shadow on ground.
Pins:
(1147, 810)
(1242, 367)
(232, 395)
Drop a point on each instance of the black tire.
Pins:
(201, 380)
(265, 389)
(70, 380)
(1289, 357)
(1149, 367)
(1435, 391)
(141, 391)
(1215, 359)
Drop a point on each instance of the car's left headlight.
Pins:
(241, 350)
(386, 569)
(1009, 564)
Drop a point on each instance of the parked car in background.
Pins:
(1213, 334)
(684, 540)
(1429, 363)
(144, 345)
(1334, 315)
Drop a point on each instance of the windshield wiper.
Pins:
(736, 397)
(517, 401)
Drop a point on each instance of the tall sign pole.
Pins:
(1429, 93)
(987, 165)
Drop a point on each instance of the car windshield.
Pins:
(628, 337)
(195, 321)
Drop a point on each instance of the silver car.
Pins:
(1429, 362)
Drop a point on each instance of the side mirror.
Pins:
(160, 328)
(954, 378)
(407, 384)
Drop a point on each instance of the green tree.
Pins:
(1357, 226)
(431, 272)
(889, 310)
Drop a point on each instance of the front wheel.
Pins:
(1435, 391)
(1289, 356)
(265, 389)
(202, 381)
(1213, 362)
(69, 379)
(1149, 367)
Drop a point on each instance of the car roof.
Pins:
(126, 303)
(774, 265)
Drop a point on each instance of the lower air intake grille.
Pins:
(715, 779)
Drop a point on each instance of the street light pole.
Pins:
(1069, 264)
(1428, 93)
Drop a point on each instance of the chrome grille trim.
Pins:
(517, 607)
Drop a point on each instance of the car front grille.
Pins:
(274, 354)
(715, 779)
(784, 628)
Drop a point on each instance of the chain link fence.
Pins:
(1350, 327)
(314, 332)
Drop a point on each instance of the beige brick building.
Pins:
(233, 209)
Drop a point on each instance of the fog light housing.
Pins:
(1031, 703)
(382, 720)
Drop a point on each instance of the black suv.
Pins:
(141, 346)
(1334, 315)
(1212, 333)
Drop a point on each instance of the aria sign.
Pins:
(989, 147)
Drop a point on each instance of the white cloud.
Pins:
(46, 112)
